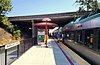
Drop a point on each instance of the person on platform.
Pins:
(58, 36)
(46, 38)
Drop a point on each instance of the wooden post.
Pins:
(36, 35)
(46, 34)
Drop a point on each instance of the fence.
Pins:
(9, 54)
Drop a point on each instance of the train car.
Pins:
(86, 30)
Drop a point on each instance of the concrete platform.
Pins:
(40, 55)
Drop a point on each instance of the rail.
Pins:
(9, 53)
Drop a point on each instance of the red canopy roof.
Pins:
(43, 24)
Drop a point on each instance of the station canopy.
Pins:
(43, 24)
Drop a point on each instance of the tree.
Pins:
(99, 4)
(17, 34)
(9, 26)
(5, 6)
(87, 5)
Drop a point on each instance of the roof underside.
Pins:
(59, 18)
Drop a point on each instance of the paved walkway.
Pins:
(39, 55)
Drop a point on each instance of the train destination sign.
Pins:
(12, 45)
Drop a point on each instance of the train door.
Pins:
(72, 35)
(76, 36)
(89, 38)
(99, 40)
(79, 36)
(68, 35)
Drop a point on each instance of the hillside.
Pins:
(5, 37)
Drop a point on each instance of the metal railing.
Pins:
(7, 56)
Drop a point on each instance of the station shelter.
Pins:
(42, 29)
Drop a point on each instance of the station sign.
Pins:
(41, 32)
(12, 45)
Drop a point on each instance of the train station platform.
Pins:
(55, 54)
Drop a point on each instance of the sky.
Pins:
(39, 7)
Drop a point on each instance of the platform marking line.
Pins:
(64, 53)
(70, 57)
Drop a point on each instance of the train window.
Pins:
(94, 12)
(85, 16)
(91, 13)
(77, 20)
(97, 10)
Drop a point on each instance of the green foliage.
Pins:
(5, 6)
(7, 23)
(10, 27)
(99, 4)
(17, 33)
(87, 5)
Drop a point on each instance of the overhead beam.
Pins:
(39, 17)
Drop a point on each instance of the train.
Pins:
(85, 30)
